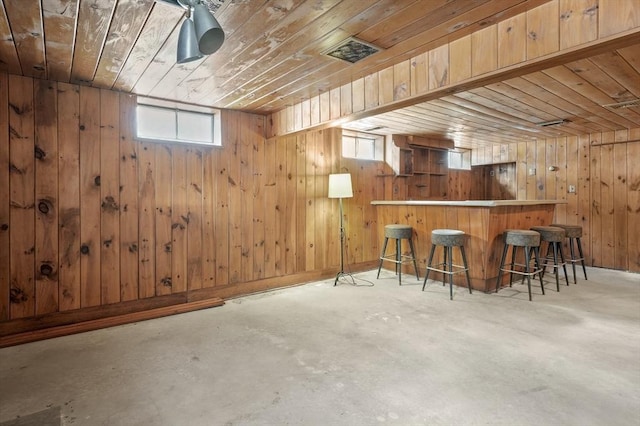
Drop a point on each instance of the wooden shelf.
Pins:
(425, 167)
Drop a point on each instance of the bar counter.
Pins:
(482, 220)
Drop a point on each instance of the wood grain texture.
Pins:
(46, 196)
(59, 17)
(5, 197)
(109, 198)
(194, 215)
(21, 183)
(163, 218)
(129, 201)
(179, 220)
(10, 62)
(126, 23)
(69, 236)
(26, 28)
(90, 198)
(94, 17)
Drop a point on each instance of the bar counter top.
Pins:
(466, 203)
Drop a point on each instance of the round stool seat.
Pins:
(521, 238)
(572, 231)
(447, 237)
(550, 233)
(398, 231)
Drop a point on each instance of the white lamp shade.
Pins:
(340, 186)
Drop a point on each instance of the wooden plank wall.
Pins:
(603, 168)
(91, 219)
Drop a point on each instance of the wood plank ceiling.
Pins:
(272, 57)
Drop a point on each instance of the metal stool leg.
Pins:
(584, 269)
(555, 265)
(466, 266)
(502, 259)
(573, 256)
(513, 263)
(527, 261)
(399, 260)
(450, 250)
(413, 255)
(536, 254)
(431, 252)
(384, 249)
(444, 265)
(564, 263)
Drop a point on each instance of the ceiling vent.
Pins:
(552, 123)
(352, 50)
(626, 104)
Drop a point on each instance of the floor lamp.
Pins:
(340, 187)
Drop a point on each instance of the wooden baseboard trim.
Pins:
(64, 330)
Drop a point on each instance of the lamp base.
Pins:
(344, 274)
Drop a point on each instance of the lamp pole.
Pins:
(341, 272)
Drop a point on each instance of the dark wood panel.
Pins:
(90, 182)
(22, 184)
(46, 196)
(5, 197)
(69, 197)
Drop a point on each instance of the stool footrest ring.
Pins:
(459, 268)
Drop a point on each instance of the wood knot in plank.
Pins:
(39, 153)
(19, 110)
(17, 295)
(591, 11)
(109, 204)
(45, 206)
(46, 269)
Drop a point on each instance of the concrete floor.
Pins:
(349, 355)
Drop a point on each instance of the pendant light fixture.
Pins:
(188, 43)
(208, 30)
(200, 33)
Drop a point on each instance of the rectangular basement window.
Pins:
(362, 146)
(164, 121)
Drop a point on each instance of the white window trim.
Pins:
(378, 144)
(176, 107)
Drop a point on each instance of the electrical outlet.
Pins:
(532, 171)
(572, 189)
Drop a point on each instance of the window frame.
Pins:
(377, 140)
(176, 109)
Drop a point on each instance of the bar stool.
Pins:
(447, 238)
(574, 233)
(554, 237)
(530, 242)
(399, 232)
